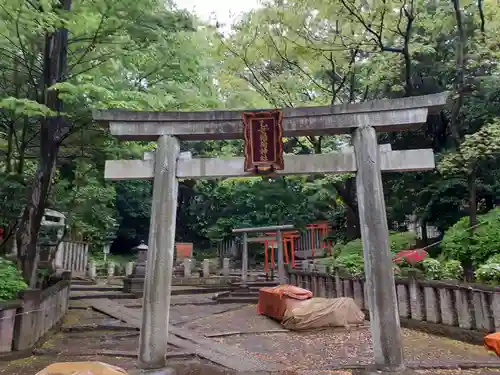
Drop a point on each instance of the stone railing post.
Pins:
(416, 296)
(27, 320)
(7, 323)
(110, 271)
(187, 267)
(206, 267)
(403, 300)
(129, 268)
(305, 265)
(465, 308)
(225, 267)
(92, 271)
(339, 287)
(432, 308)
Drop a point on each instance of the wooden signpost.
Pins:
(367, 159)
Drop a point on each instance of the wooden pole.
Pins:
(158, 279)
(281, 264)
(266, 258)
(272, 258)
(244, 260)
(384, 317)
(285, 246)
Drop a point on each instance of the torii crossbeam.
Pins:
(366, 159)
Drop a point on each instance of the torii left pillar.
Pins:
(158, 280)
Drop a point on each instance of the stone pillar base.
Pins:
(134, 285)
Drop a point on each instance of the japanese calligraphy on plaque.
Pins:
(263, 141)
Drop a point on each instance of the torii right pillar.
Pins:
(380, 287)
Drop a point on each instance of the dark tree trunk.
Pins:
(347, 191)
(423, 227)
(467, 264)
(52, 131)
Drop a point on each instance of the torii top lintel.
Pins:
(384, 115)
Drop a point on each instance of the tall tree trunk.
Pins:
(347, 193)
(459, 83)
(22, 146)
(423, 227)
(52, 131)
(467, 264)
(10, 148)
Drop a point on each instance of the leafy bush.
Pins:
(397, 242)
(462, 244)
(402, 241)
(350, 255)
(452, 270)
(432, 268)
(435, 269)
(11, 280)
(494, 259)
(351, 263)
(489, 273)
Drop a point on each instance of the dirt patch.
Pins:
(31, 365)
(88, 317)
(93, 341)
(244, 319)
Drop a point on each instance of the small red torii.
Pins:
(288, 243)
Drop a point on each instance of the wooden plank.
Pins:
(385, 115)
(214, 168)
(221, 354)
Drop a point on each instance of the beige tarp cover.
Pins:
(323, 312)
(81, 368)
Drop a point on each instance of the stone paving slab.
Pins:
(227, 356)
(183, 299)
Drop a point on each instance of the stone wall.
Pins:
(440, 304)
(25, 321)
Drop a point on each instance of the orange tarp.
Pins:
(81, 368)
(492, 342)
(273, 301)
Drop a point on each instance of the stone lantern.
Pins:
(141, 257)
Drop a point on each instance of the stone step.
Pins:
(231, 299)
(257, 284)
(243, 293)
(96, 288)
(95, 295)
(82, 282)
(200, 290)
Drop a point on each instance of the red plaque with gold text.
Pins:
(263, 141)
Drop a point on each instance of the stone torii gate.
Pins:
(167, 165)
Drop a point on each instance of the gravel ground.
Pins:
(328, 348)
(305, 353)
